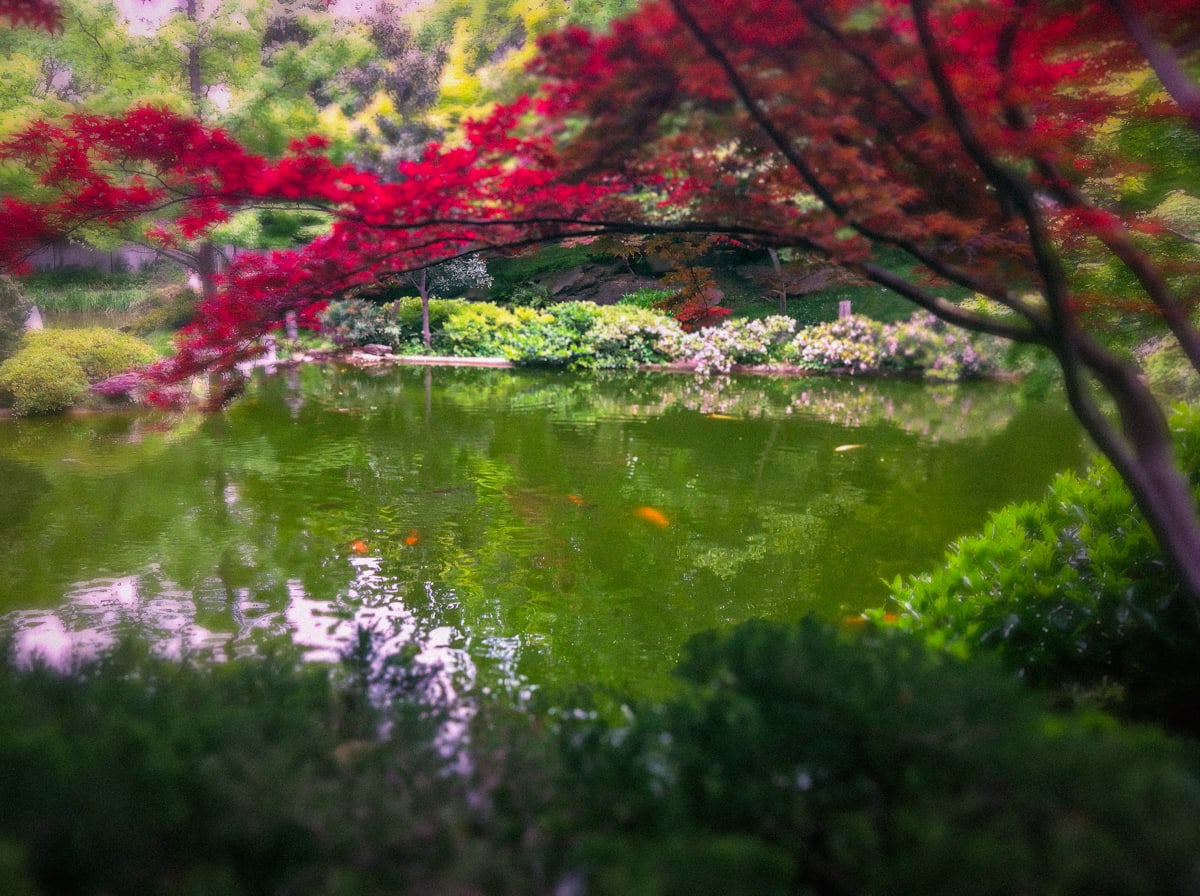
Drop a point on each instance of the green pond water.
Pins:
(521, 528)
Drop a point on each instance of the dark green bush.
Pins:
(1073, 593)
(793, 759)
(801, 760)
(42, 380)
(141, 776)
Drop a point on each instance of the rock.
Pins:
(376, 349)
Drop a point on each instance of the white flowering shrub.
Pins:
(627, 336)
(931, 346)
(850, 344)
(717, 349)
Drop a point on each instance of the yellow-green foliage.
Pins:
(483, 329)
(53, 368)
(42, 380)
(100, 352)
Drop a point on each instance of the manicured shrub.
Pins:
(101, 352)
(625, 336)
(480, 329)
(850, 344)
(42, 380)
(717, 349)
(800, 760)
(928, 345)
(1073, 593)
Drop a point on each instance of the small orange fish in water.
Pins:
(412, 537)
(854, 620)
(578, 501)
(651, 515)
(720, 417)
(359, 546)
(848, 447)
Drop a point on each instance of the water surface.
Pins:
(523, 528)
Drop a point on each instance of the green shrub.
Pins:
(146, 776)
(851, 344)
(99, 351)
(801, 760)
(925, 344)
(481, 329)
(14, 310)
(1074, 594)
(42, 380)
(629, 335)
(739, 341)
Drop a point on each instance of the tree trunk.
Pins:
(423, 288)
(779, 276)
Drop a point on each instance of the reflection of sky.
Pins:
(95, 614)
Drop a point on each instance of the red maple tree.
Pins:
(972, 137)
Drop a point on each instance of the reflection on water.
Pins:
(520, 528)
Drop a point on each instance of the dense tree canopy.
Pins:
(980, 139)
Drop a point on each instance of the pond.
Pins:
(523, 528)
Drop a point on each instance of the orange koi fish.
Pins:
(412, 537)
(848, 447)
(358, 546)
(577, 500)
(652, 515)
(720, 417)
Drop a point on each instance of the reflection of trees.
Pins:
(495, 515)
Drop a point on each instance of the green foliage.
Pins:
(801, 760)
(1074, 594)
(792, 759)
(143, 776)
(100, 352)
(626, 336)
(851, 344)
(556, 338)
(42, 380)
(480, 329)
(52, 369)
(14, 310)
(925, 344)
(738, 341)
